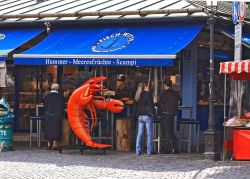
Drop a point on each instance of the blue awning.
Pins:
(245, 36)
(123, 45)
(11, 38)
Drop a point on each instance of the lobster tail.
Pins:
(97, 145)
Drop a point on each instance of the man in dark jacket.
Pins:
(54, 106)
(168, 104)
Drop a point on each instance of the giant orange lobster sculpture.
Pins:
(83, 98)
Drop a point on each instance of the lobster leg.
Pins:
(93, 118)
(93, 115)
(84, 120)
(83, 132)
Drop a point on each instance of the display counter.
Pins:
(241, 143)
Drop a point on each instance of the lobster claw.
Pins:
(97, 88)
(99, 102)
(115, 106)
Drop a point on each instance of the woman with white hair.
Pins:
(54, 106)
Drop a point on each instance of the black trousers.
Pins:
(167, 126)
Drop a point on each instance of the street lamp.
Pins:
(211, 135)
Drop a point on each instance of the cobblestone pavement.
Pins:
(35, 163)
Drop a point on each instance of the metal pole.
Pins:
(211, 119)
(225, 94)
(141, 13)
(112, 131)
(211, 135)
(238, 82)
(156, 97)
(225, 99)
(156, 82)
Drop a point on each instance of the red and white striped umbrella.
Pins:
(239, 70)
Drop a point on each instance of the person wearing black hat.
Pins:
(121, 91)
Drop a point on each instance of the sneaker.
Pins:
(138, 153)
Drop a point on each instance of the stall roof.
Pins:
(238, 70)
(14, 7)
(11, 39)
(117, 45)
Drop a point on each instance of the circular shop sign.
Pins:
(2, 36)
(113, 42)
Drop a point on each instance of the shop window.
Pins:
(221, 42)
(119, 78)
(203, 76)
(223, 51)
(72, 78)
(34, 83)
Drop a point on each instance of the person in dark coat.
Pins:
(122, 93)
(168, 106)
(145, 111)
(54, 106)
(121, 90)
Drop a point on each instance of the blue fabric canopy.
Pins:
(123, 45)
(11, 38)
(245, 36)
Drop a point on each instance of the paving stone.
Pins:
(34, 163)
